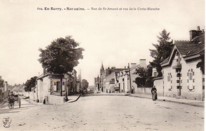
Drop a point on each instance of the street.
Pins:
(105, 113)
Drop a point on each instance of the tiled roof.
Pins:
(189, 48)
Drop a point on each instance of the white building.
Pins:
(127, 77)
(181, 77)
(49, 87)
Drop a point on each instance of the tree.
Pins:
(60, 57)
(162, 51)
(1, 83)
(84, 85)
(145, 76)
(141, 71)
(30, 83)
(149, 78)
(201, 64)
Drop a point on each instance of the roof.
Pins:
(187, 49)
(157, 78)
(110, 76)
(165, 61)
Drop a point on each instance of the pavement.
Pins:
(171, 99)
(160, 98)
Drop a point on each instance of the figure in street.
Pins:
(154, 93)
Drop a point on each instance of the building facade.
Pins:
(118, 79)
(181, 76)
(49, 85)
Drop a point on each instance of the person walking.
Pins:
(154, 93)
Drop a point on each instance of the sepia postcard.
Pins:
(102, 65)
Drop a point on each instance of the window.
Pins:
(155, 74)
(190, 74)
(169, 77)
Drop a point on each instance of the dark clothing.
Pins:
(153, 89)
(11, 99)
(154, 93)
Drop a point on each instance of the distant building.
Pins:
(127, 77)
(3, 89)
(49, 85)
(107, 79)
(181, 76)
(118, 79)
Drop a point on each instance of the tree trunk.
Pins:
(66, 95)
(61, 86)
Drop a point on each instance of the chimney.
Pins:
(198, 28)
(194, 33)
(142, 63)
(133, 65)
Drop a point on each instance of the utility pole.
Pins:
(130, 81)
(80, 80)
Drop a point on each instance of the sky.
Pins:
(112, 37)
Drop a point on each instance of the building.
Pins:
(49, 87)
(181, 76)
(118, 79)
(127, 77)
(3, 89)
(106, 81)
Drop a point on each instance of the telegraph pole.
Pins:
(130, 81)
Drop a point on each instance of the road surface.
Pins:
(105, 113)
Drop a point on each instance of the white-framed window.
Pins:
(190, 74)
(169, 77)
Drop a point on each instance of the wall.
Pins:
(143, 90)
(32, 96)
(52, 99)
(187, 91)
(43, 88)
(133, 78)
(192, 89)
(159, 86)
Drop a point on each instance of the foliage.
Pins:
(61, 56)
(30, 83)
(201, 64)
(84, 85)
(141, 71)
(162, 51)
(1, 83)
(145, 76)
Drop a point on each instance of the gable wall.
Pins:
(170, 87)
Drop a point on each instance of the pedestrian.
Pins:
(154, 93)
(19, 100)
